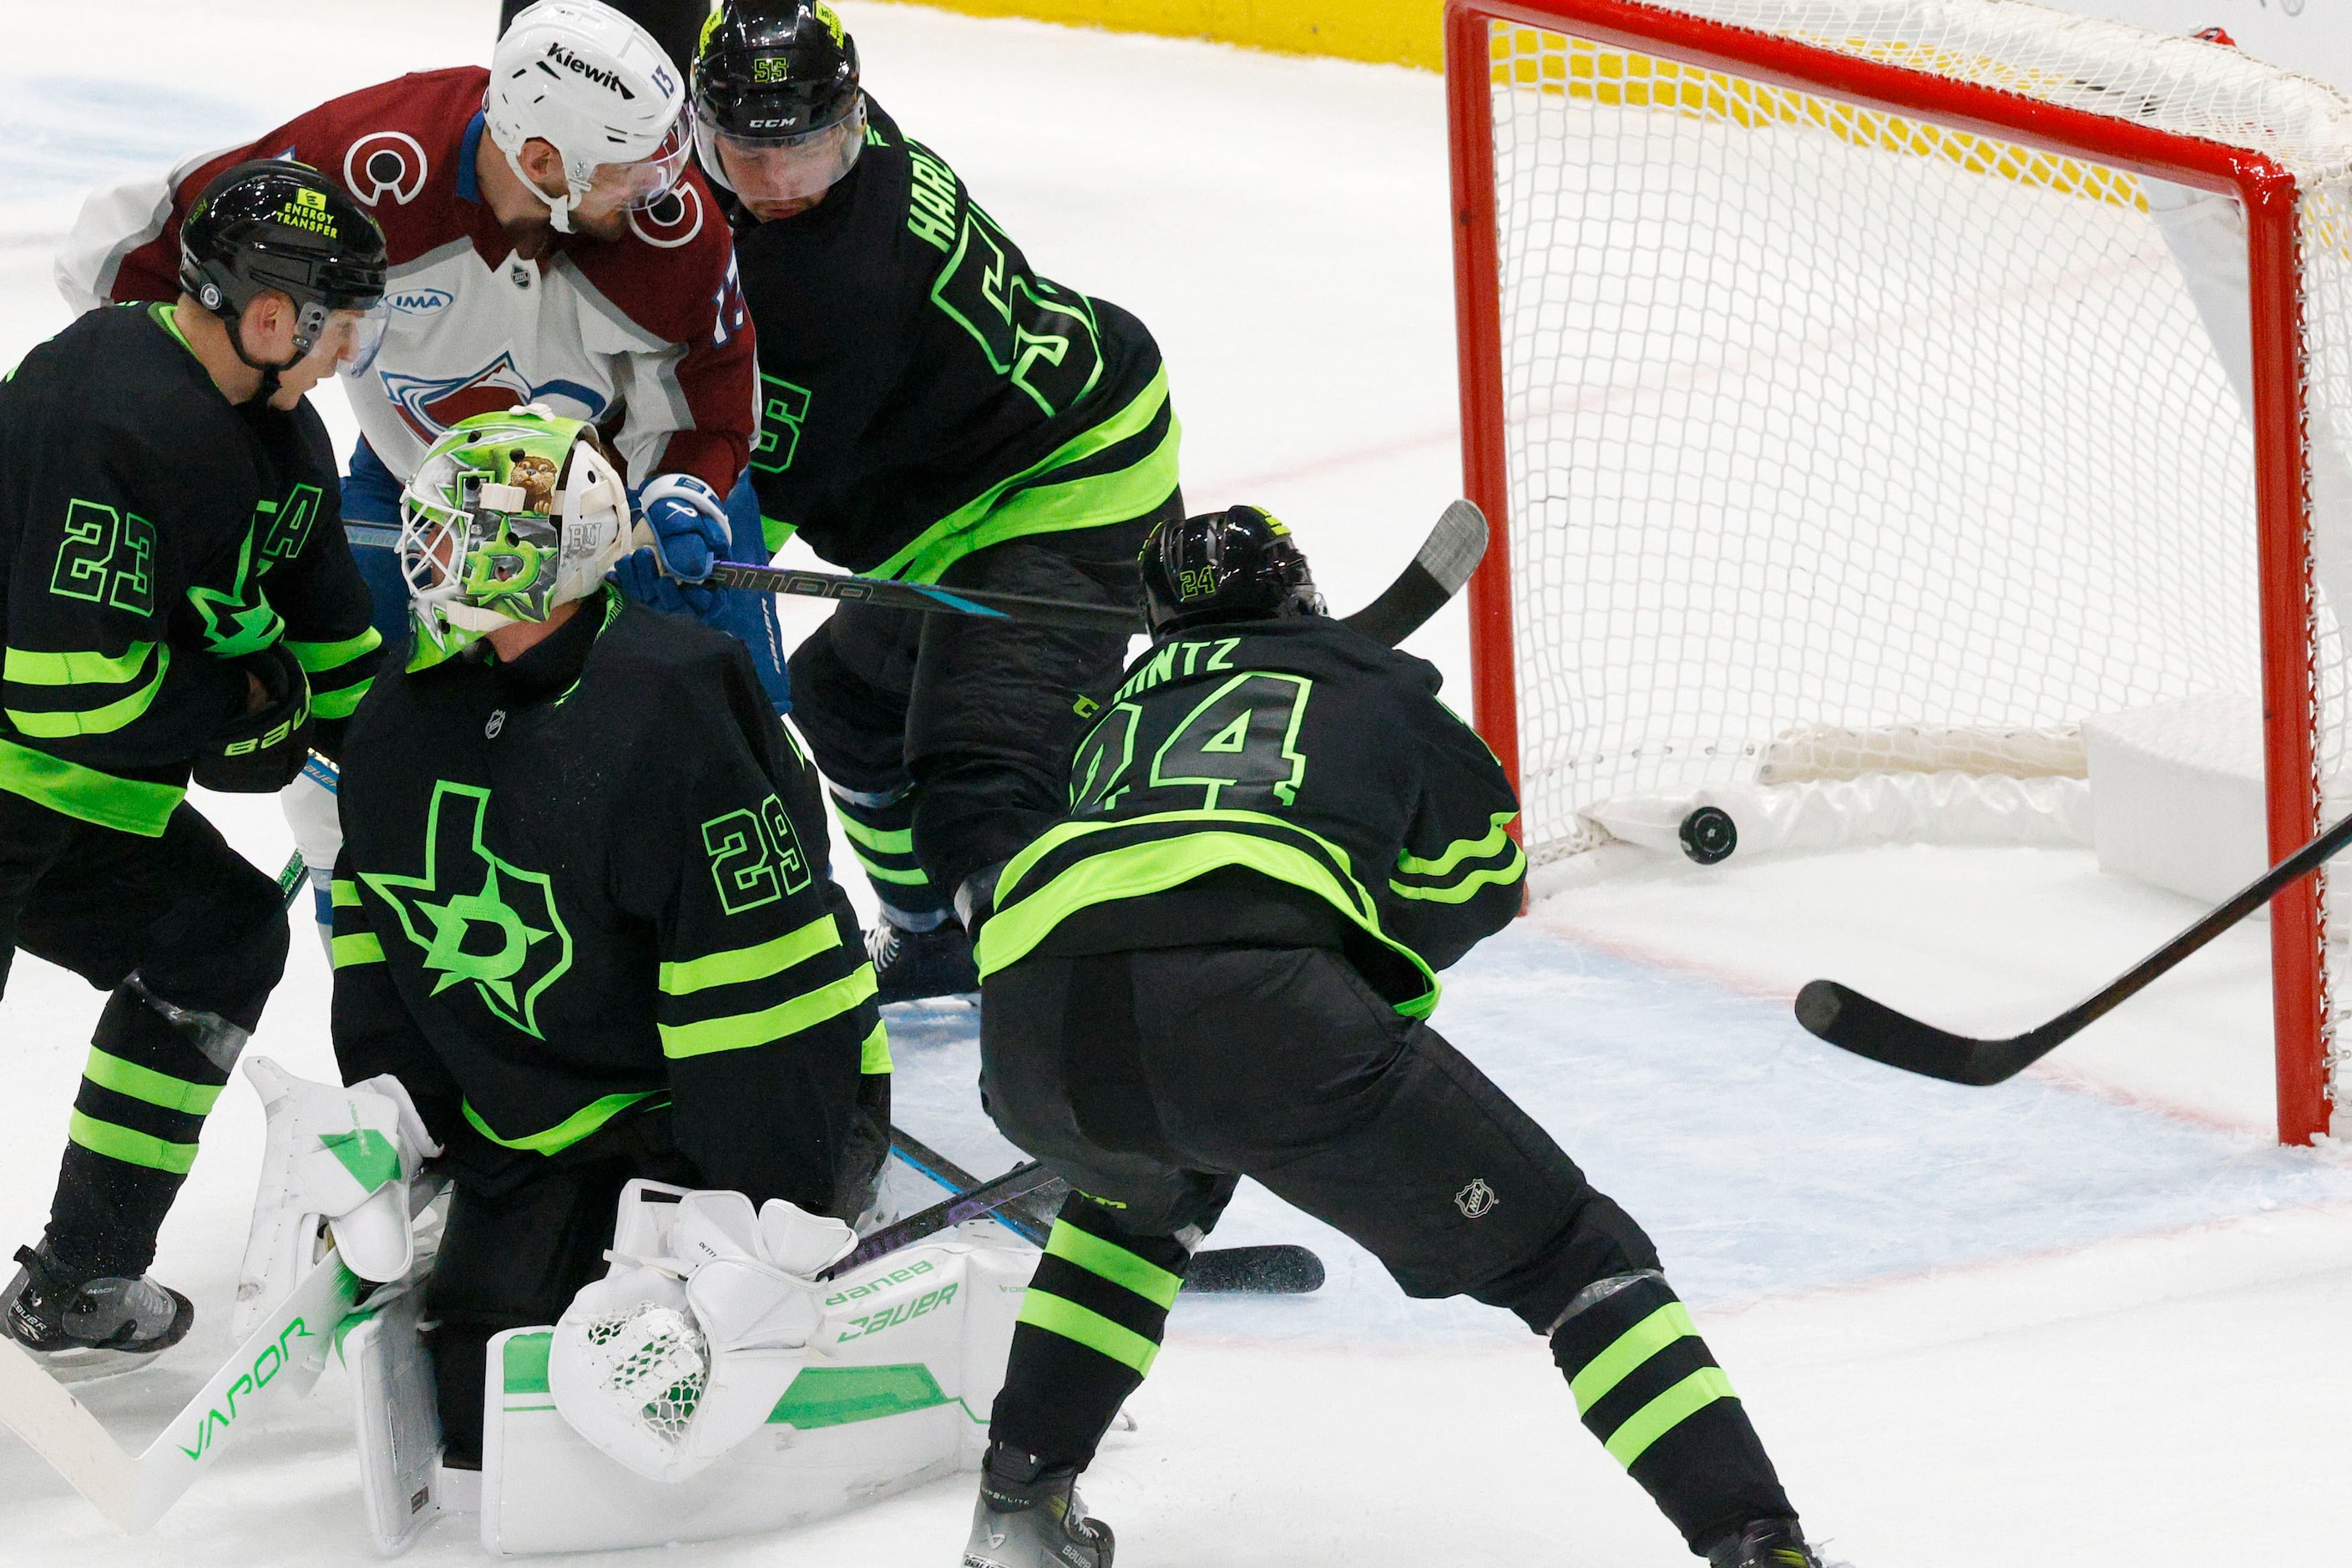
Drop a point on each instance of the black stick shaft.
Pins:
(892, 594)
(982, 1200)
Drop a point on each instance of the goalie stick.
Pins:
(1852, 1022)
(1435, 573)
(1279, 1269)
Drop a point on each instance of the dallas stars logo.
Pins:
(479, 919)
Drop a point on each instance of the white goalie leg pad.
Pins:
(667, 1365)
(315, 813)
(348, 1159)
(396, 1421)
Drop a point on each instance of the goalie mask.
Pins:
(510, 515)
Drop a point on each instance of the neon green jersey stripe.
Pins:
(900, 842)
(579, 1124)
(1461, 849)
(1114, 1263)
(360, 947)
(1629, 1350)
(1666, 1412)
(343, 895)
(874, 1052)
(101, 721)
(747, 1029)
(27, 667)
(315, 656)
(342, 703)
(1459, 892)
(110, 1071)
(1041, 1310)
(913, 877)
(733, 967)
(131, 1148)
(127, 805)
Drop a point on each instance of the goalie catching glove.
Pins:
(347, 1158)
(669, 1361)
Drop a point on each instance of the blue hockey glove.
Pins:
(689, 524)
(641, 580)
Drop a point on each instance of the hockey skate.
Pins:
(1767, 1543)
(910, 965)
(92, 1328)
(1030, 1517)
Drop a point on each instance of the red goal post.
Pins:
(1844, 56)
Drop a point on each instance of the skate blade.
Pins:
(91, 1366)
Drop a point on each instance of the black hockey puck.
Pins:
(1708, 835)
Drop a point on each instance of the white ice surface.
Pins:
(2091, 1317)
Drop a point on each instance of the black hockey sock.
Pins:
(150, 1080)
(883, 838)
(1088, 1329)
(1650, 1390)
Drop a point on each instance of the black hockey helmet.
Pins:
(276, 224)
(1239, 565)
(775, 70)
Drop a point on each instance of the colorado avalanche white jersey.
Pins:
(646, 335)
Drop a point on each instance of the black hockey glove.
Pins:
(262, 753)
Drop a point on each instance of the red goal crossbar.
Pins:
(2268, 194)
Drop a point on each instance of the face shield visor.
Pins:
(633, 188)
(351, 335)
(782, 172)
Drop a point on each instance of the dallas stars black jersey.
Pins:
(150, 532)
(923, 393)
(1248, 775)
(593, 882)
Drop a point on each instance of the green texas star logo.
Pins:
(479, 919)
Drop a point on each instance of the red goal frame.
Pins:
(2268, 194)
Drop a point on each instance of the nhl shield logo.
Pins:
(1477, 1200)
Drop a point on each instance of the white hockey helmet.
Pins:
(592, 84)
(509, 516)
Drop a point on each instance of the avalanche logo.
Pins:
(430, 405)
(672, 221)
(385, 163)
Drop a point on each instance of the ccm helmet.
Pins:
(593, 85)
(1239, 565)
(274, 224)
(509, 516)
(775, 82)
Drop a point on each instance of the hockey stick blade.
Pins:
(1852, 1022)
(1436, 573)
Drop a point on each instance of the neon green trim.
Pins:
(740, 964)
(127, 805)
(1111, 1261)
(901, 842)
(371, 1157)
(1041, 1310)
(339, 704)
(29, 667)
(1047, 508)
(873, 1053)
(579, 1124)
(360, 947)
(1460, 892)
(101, 721)
(1628, 1352)
(1156, 865)
(343, 895)
(1461, 849)
(914, 877)
(110, 1071)
(315, 656)
(131, 1148)
(770, 1024)
(774, 530)
(167, 316)
(1666, 1412)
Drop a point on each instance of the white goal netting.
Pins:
(1823, 421)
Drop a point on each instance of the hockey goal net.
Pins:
(1852, 388)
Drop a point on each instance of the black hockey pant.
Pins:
(947, 739)
(190, 939)
(1152, 1081)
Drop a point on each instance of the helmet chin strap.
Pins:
(269, 372)
(559, 208)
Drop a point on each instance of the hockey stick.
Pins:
(1436, 573)
(1852, 1022)
(1280, 1269)
(977, 1204)
(279, 1361)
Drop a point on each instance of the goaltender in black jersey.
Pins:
(585, 911)
(1221, 964)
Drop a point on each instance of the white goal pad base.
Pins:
(898, 1392)
(1824, 814)
(2178, 790)
(396, 1422)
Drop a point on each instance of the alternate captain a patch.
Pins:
(482, 922)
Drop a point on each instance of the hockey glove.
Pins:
(689, 524)
(263, 752)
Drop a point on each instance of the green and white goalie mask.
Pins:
(509, 516)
